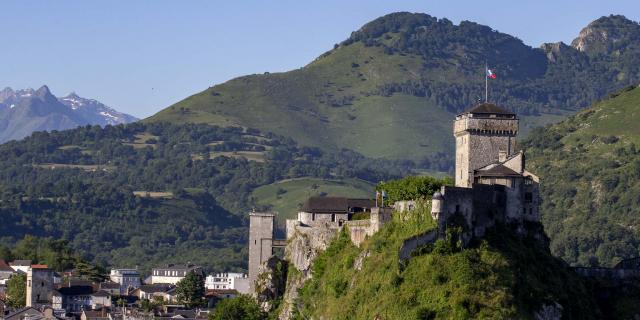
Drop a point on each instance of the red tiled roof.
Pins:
(4, 266)
(39, 266)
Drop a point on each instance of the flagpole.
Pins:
(486, 83)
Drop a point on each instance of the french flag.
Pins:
(490, 74)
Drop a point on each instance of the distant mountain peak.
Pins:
(27, 110)
(44, 92)
(71, 95)
(6, 93)
(604, 34)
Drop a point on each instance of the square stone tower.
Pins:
(483, 135)
(260, 243)
(39, 286)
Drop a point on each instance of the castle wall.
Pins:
(359, 230)
(314, 219)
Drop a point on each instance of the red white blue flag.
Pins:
(490, 74)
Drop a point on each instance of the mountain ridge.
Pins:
(390, 89)
(27, 110)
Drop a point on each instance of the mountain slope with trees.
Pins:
(149, 194)
(589, 166)
(391, 89)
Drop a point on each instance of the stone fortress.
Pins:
(491, 186)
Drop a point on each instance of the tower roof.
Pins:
(488, 108)
(335, 204)
(497, 171)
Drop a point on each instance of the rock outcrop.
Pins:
(271, 282)
(302, 249)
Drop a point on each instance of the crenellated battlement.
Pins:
(494, 126)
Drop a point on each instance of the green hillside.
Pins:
(590, 170)
(287, 196)
(149, 194)
(504, 277)
(391, 89)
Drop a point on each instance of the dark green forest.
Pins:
(145, 194)
(532, 80)
(589, 167)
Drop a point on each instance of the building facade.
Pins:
(172, 274)
(39, 286)
(126, 278)
(227, 280)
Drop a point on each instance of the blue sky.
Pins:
(141, 56)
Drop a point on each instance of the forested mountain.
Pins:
(25, 111)
(391, 89)
(589, 165)
(146, 194)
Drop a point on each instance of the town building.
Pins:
(5, 272)
(112, 288)
(172, 274)
(80, 296)
(21, 265)
(226, 280)
(126, 278)
(162, 291)
(39, 286)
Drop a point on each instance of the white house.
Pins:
(227, 280)
(172, 274)
(126, 278)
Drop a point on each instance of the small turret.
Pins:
(436, 205)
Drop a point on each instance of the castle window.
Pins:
(457, 208)
(528, 197)
(313, 217)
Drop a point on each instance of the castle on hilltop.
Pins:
(491, 182)
(492, 187)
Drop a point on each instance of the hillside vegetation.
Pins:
(504, 277)
(391, 89)
(590, 170)
(149, 194)
(287, 196)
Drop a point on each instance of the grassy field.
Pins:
(285, 197)
(154, 194)
(89, 168)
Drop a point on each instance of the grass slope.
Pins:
(303, 104)
(590, 170)
(287, 196)
(503, 278)
(393, 87)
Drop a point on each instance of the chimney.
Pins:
(502, 156)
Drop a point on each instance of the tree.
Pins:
(17, 291)
(190, 290)
(242, 307)
(5, 253)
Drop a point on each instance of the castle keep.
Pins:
(492, 187)
(491, 182)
